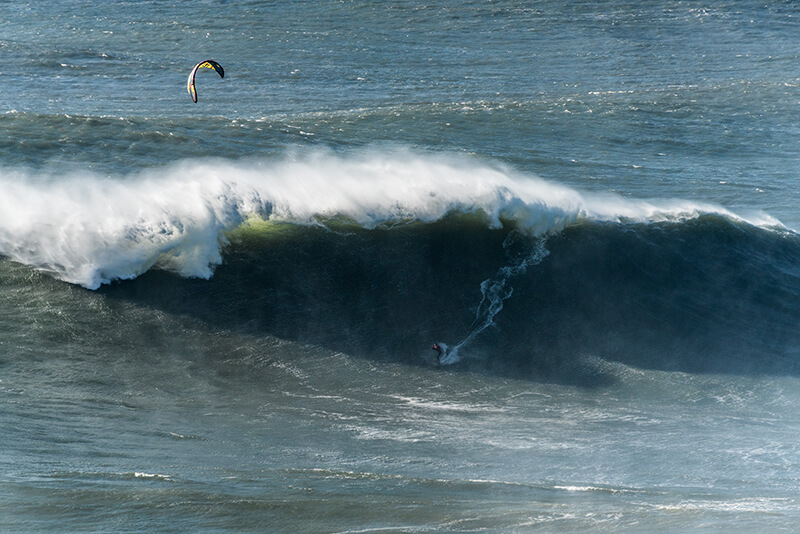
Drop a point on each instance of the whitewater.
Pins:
(220, 316)
(89, 229)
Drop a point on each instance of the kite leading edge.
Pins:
(207, 64)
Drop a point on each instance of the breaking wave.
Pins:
(381, 254)
(91, 229)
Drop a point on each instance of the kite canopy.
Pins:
(207, 64)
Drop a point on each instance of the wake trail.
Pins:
(494, 292)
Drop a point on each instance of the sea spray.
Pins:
(496, 290)
(90, 229)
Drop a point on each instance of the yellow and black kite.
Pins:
(207, 64)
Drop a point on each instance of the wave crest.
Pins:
(90, 229)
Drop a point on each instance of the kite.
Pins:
(207, 64)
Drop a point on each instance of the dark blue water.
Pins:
(217, 317)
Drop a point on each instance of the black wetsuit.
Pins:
(439, 352)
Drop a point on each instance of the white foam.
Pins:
(90, 229)
(765, 505)
(152, 475)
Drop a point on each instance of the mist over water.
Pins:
(219, 316)
(91, 229)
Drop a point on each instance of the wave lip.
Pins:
(89, 229)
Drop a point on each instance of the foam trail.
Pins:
(90, 230)
(495, 291)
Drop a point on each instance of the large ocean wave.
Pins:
(91, 229)
(381, 254)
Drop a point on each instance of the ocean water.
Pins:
(218, 317)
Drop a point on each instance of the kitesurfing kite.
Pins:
(207, 64)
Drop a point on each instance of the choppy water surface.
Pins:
(218, 316)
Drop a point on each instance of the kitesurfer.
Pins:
(439, 352)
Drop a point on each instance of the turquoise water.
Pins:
(217, 317)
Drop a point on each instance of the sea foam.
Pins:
(90, 229)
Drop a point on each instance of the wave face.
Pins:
(382, 253)
(708, 294)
